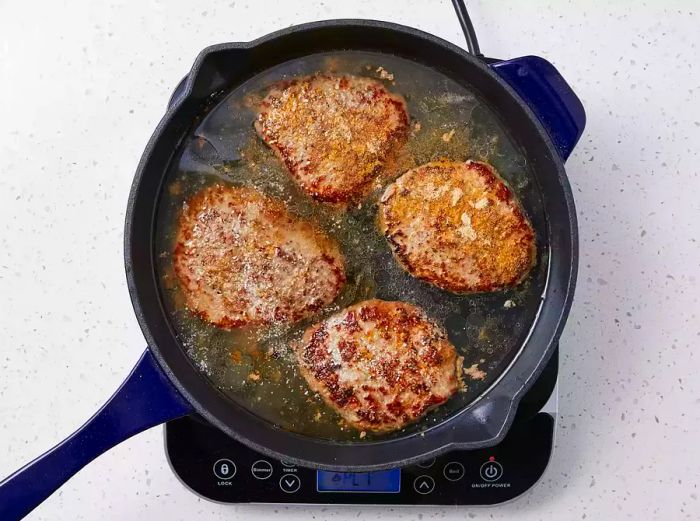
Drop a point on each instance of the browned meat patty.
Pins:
(380, 364)
(457, 226)
(335, 134)
(243, 259)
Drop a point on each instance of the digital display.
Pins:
(379, 481)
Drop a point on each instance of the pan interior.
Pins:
(254, 366)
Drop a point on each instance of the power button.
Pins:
(491, 470)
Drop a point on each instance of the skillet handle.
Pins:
(546, 92)
(146, 398)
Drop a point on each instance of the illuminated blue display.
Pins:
(380, 481)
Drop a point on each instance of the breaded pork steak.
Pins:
(243, 259)
(457, 225)
(334, 134)
(380, 364)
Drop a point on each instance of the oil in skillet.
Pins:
(254, 366)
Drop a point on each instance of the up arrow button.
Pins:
(424, 484)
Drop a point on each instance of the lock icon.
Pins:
(224, 469)
(491, 470)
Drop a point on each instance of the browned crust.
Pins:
(458, 226)
(243, 259)
(335, 134)
(381, 365)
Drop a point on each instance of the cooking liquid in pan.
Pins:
(255, 366)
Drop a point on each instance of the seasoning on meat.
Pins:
(243, 259)
(381, 365)
(457, 225)
(335, 134)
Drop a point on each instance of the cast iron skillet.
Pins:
(544, 117)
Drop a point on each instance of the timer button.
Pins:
(424, 484)
(427, 463)
(491, 470)
(453, 471)
(224, 469)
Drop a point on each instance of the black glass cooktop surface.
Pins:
(219, 468)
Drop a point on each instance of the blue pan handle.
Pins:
(146, 398)
(549, 96)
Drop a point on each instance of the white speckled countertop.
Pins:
(83, 84)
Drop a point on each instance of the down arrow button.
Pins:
(290, 483)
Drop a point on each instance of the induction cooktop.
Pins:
(217, 467)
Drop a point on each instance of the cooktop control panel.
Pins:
(219, 468)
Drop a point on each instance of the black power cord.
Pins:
(467, 28)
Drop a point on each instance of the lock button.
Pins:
(224, 469)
